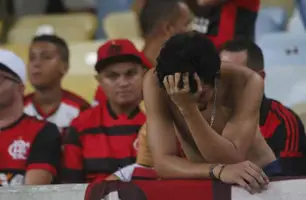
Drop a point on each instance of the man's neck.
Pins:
(48, 96)
(10, 114)
(152, 48)
(126, 109)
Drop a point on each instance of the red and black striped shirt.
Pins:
(285, 134)
(25, 145)
(223, 22)
(99, 143)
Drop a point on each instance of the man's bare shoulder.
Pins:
(150, 79)
(153, 93)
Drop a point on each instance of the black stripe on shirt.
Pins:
(107, 165)
(121, 130)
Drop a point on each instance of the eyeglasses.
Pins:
(5, 77)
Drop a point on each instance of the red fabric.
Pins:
(228, 19)
(119, 47)
(144, 173)
(17, 140)
(177, 189)
(102, 141)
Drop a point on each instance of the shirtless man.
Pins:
(213, 113)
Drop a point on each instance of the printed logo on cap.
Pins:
(114, 50)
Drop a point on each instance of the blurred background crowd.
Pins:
(82, 27)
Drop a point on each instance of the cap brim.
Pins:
(117, 59)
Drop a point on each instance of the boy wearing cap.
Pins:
(48, 64)
(104, 139)
(30, 149)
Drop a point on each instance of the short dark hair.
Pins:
(255, 58)
(155, 11)
(189, 52)
(58, 42)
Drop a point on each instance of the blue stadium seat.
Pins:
(270, 20)
(302, 7)
(284, 49)
(104, 7)
(286, 84)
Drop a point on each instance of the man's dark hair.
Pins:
(155, 11)
(255, 58)
(189, 52)
(58, 42)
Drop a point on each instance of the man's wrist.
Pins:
(189, 109)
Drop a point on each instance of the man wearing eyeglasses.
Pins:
(30, 149)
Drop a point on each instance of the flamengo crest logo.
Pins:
(18, 149)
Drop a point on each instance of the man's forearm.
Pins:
(212, 146)
(169, 167)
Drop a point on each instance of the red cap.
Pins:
(117, 51)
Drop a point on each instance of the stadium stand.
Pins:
(270, 20)
(81, 27)
(104, 7)
(283, 45)
(286, 84)
(121, 25)
(287, 5)
(283, 49)
(300, 109)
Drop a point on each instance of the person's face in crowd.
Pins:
(239, 58)
(181, 24)
(10, 88)
(46, 67)
(122, 82)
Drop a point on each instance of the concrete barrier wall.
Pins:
(280, 190)
(52, 192)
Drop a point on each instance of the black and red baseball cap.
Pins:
(119, 50)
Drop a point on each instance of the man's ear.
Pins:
(262, 73)
(166, 28)
(64, 69)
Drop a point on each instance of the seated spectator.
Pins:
(103, 139)
(48, 64)
(213, 111)
(30, 148)
(224, 20)
(281, 127)
(159, 20)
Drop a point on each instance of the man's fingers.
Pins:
(199, 84)
(177, 78)
(259, 170)
(257, 175)
(251, 182)
(186, 87)
(166, 84)
(242, 183)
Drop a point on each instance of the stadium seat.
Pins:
(286, 84)
(295, 24)
(20, 50)
(287, 5)
(121, 25)
(300, 109)
(104, 7)
(270, 20)
(72, 27)
(283, 49)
